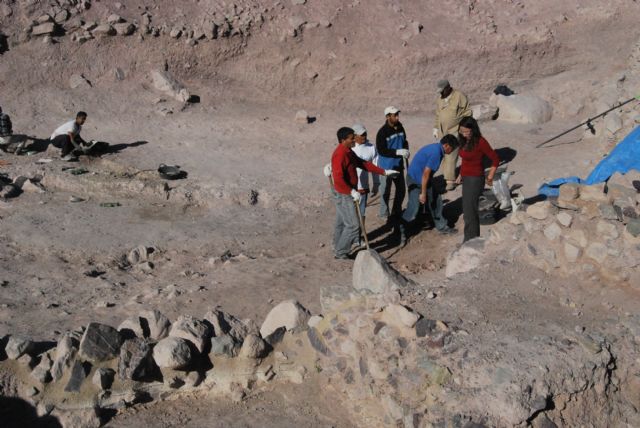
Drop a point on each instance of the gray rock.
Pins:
(136, 360)
(571, 252)
(633, 228)
(163, 81)
(119, 74)
(372, 272)
(65, 353)
(253, 347)
(103, 378)
(317, 342)
(224, 323)
(224, 345)
(552, 231)
(539, 210)
(289, 314)
(17, 346)
(172, 353)
(484, 112)
(42, 372)
(466, 258)
(597, 252)
(100, 342)
(564, 219)
(156, 324)
(608, 212)
(79, 373)
(191, 329)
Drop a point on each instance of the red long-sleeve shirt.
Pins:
(471, 165)
(343, 169)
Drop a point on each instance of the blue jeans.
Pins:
(434, 204)
(347, 226)
(363, 203)
(385, 194)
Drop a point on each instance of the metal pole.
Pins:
(364, 231)
(588, 121)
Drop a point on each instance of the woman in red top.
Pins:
(473, 149)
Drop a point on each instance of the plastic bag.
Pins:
(501, 189)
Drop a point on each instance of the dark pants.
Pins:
(472, 188)
(63, 142)
(385, 193)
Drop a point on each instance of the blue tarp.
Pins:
(625, 157)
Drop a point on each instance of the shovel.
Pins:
(364, 231)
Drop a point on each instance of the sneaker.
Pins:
(341, 257)
(451, 185)
(448, 231)
(69, 158)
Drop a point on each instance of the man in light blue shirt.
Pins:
(420, 183)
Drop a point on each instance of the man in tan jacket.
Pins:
(451, 107)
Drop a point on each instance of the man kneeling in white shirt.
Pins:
(67, 137)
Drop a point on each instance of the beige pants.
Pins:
(449, 165)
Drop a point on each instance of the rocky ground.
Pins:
(250, 226)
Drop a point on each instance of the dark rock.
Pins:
(316, 342)
(633, 228)
(136, 360)
(425, 327)
(276, 337)
(100, 342)
(224, 346)
(79, 373)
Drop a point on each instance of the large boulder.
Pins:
(191, 329)
(65, 353)
(136, 361)
(371, 272)
(157, 324)
(289, 314)
(523, 109)
(100, 342)
(466, 258)
(17, 346)
(165, 82)
(172, 353)
(45, 29)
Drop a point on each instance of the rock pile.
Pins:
(588, 230)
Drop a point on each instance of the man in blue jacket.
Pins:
(393, 148)
(420, 182)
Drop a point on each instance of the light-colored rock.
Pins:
(131, 325)
(103, 30)
(607, 230)
(191, 329)
(224, 346)
(465, 259)
(571, 252)
(484, 112)
(66, 350)
(253, 347)
(163, 81)
(524, 109)
(17, 346)
(159, 325)
(77, 418)
(114, 19)
(314, 320)
(298, 2)
(302, 116)
(41, 372)
(594, 193)
(569, 192)
(224, 323)
(564, 218)
(289, 314)
(539, 210)
(613, 122)
(78, 81)
(552, 231)
(596, 251)
(124, 29)
(400, 316)
(372, 272)
(31, 187)
(44, 29)
(172, 353)
(578, 237)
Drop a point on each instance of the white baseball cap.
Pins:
(359, 129)
(391, 110)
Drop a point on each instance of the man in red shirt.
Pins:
(345, 183)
